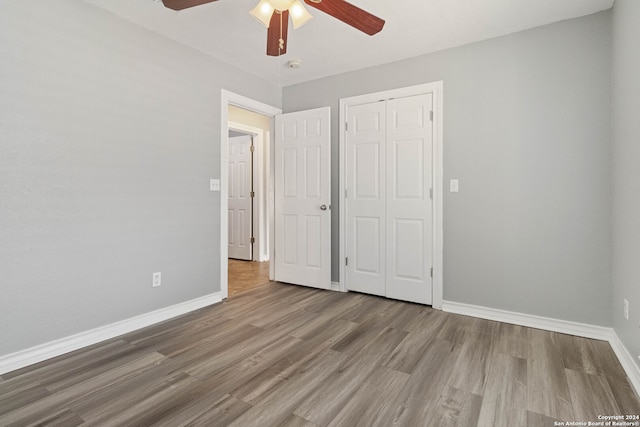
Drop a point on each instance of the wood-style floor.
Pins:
(246, 275)
(282, 355)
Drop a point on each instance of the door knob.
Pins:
(323, 207)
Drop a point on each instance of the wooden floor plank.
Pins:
(547, 388)
(283, 355)
(407, 354)
(625, 397)
(418, 399)
(148, 407)
(225, 358)
(12, 398)
(246, 275)
(296, 421)
(505, 395)
(373, 399)
(221, 413)
(38, 410)
(453, 329)
(607, 361)
(579, 355)
(117, 392)
(537, 420)
(457, 408)
(591, 396)
(329, 398)
(471, 361)
(512, 340)
(274, 405)
(56, 418)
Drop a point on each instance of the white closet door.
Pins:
(409, 205)
(366, 198)
(389, 210)
(303, 197)
(240, 197)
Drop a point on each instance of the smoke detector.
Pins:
(294, 63)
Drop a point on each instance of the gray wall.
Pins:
(108, 137)
(527, 132)
(626, 171)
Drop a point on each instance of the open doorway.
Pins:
(248, 185)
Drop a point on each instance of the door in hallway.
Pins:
(240, 200)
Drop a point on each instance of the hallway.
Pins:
(246, 275)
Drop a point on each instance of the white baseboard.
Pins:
(529, 320)
(29, 356)
(627, 362)
(335, 286)
(556, 325)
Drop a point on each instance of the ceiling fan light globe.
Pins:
(262, 12)
(281, 4)
(299, 14)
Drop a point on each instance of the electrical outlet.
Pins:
(157, 279)
(626, 309)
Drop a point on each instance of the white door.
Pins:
(303, 197)
(366, 198)
(388, 204)
(409, 204)
(240, 200)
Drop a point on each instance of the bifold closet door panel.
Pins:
(366, 198)
(409, 147)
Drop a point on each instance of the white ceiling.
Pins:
(326, 46)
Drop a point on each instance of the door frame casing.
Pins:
(436, 89)
(230, 98)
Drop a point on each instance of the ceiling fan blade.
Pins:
(278, 29)
(184, 4)
(349, 14)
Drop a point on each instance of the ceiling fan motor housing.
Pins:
(281, 4)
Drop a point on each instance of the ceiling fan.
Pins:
(274, 14)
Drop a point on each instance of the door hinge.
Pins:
(252, 148)
(345, 193)
(431, 193)
(431, 271)
(252, 194)
(431, 115)
(346, 261)
(346, 126)
(253, 240)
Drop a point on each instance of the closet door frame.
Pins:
(436, 89)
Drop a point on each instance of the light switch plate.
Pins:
(157, 279)
(214, 185)
(625, 309)
(454, 186)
